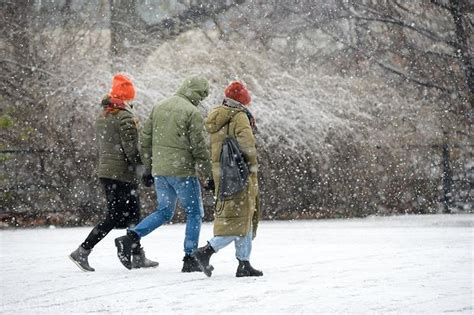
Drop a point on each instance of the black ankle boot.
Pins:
(202, 256)
(190, 264)
(124, 245)
(246, 270)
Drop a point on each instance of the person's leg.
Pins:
(188, 190)
(219, 242)
(112, 192)
(243, 246)
(203, 254)
(130, 217)
(166, 199)
(131, 214)
(81, 254)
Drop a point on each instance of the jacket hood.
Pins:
(219, 117)
(195, 89)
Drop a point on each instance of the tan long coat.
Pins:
(236, 214)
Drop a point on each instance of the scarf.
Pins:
(113, 105)
(235, 104)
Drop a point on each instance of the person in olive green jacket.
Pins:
(236, 217)
(119, 159)
(173, 150)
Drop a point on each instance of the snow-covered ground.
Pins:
(393, 264)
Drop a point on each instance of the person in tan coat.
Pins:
(236, 216)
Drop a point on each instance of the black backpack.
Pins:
(234, 168)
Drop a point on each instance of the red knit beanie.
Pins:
(122, 88)
(237, 91)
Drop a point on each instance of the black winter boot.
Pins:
(202, 256)
(246, 270)
(79, 257)
(140, 261)
(124, 245)
(190, 264)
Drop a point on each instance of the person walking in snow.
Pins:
(119, 160)
(237, 216)
(173, 149)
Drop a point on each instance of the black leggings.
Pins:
(123, 210)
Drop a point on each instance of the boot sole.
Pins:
(151, 267)
(241, 276)
(78, 265)
(124, 261)
(189, 271)
(135, 267)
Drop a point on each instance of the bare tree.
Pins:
(415, 41)
(42, 142)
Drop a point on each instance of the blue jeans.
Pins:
(168, 190)
(243, 244)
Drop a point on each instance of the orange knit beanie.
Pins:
(122, 88)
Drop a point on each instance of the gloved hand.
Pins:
(147, 178)
(209, 185)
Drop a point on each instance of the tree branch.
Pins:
(422, 31)
(63, 87)
(441, 5)
(386, 67)
(189, 18)
(26, 67)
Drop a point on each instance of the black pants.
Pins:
(123, 210)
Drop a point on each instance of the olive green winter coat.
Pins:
(236, 214)
(117, 135)
(173, 137)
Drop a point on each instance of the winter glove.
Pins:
(210, 185)
(140, 170)
(147, 178)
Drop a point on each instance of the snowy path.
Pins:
(396, 264)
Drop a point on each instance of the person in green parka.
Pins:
(237, 216)
(175, 153)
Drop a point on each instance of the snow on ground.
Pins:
(392, 264)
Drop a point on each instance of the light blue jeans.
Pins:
(243, 244)
(168, 190)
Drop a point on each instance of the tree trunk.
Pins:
(16, 16)
(122, 13)
(458, 10)
(447, 178)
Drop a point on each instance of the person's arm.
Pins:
(246, 140)
(146, 142)
(129, 138)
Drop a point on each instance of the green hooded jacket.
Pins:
(236, 214)
(117, 136)
(173, 137)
